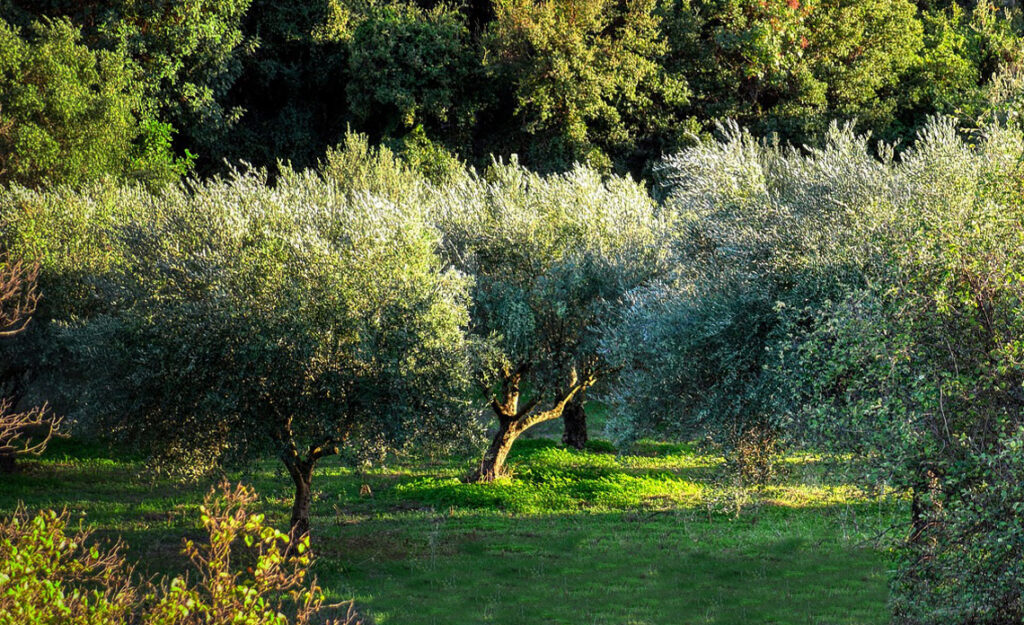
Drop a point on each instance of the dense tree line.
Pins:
(612, 83)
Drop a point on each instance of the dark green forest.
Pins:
(152, 90)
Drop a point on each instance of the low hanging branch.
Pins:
(19, 295)
(21, 433)
(26, 433)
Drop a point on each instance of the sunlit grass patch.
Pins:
(548, 478)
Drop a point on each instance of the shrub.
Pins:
(21, 433)
(50, 574)
(920, 372)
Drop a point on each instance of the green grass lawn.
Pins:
(657, 535)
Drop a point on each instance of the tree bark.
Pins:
(302, 477)
(575, 432)
(493, 464)
(7, 461)
(513, 420)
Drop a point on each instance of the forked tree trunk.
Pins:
(300, 468)
(493, 464)
(513, 421)
(575, 432)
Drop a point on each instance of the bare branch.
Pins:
(19, 295)
(26, 433)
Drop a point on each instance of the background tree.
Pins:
(919, 372)
(293, 84)
(549, 257)
(792, 68)
(587, 80)
(189, 55)
(409, 67)
(760, 247)
(70, 114)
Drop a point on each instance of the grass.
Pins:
(657, 535)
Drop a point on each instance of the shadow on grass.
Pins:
(577, 537)
(606, 568)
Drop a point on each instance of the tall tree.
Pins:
(587, 79)
(69, 114)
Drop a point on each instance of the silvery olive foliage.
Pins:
(866, 306)
(759, 243)
(299, 318)
(550, 257)
(920, 372)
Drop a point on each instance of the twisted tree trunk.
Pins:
(493, 464)
(302, 477)
(513, 420)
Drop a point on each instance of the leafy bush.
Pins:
(50, 574)
(920, 371)
(69, 114)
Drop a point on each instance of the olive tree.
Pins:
(920, 373)
(550, 257)
(296, 319)
(760, 245)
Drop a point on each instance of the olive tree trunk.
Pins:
(493, 464)
(575, 418)
(513, 421)
(301, 471)
(302, 477)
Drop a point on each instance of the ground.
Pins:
(658, 534)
